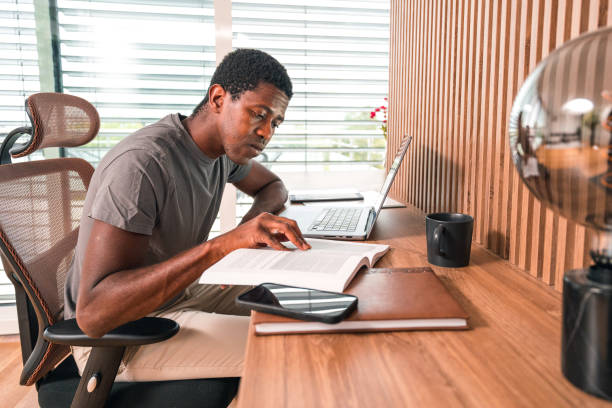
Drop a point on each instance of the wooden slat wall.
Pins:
(455, 68)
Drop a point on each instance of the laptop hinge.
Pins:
(370, 222)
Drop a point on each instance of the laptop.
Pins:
(348, 222)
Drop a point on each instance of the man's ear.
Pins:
(216, 97)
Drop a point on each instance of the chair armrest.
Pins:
(143, 331)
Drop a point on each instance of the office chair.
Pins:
(40, 208)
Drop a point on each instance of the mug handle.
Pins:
(437, 235)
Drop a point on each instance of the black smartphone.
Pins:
(299, 303)
(316, 197)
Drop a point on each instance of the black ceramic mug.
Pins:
(449, 239)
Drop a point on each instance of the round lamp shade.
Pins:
(560, 130)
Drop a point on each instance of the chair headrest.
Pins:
(58, 120)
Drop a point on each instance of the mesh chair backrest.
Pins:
(40, 208)
(60, 120)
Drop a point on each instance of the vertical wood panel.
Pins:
(581, 12)
(495, 242)
(426, 142)
(563, 225)
(420, 170)
(508, 85)
(460, 117)
(548, 243)
(455, 102)
(443, 17)
(455, 68)
(467, 159)
(412, 89)
(490, 135)
(518, 228)
(538, 233)
(446, 136)
(482, 119)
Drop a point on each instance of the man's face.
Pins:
(248, 123)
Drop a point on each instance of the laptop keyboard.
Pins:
(337, 219)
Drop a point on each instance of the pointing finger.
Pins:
(293, 234)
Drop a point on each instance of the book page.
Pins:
(346, 247)
(295, 261)
(371, 251)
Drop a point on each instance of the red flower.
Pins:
(383, 123)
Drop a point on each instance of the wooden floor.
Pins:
(13, 394)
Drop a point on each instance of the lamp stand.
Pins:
(586, 344)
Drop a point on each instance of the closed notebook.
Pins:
(389, 299)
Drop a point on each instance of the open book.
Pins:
(328, 265)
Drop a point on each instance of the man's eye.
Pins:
(260, 116)
(275, 125)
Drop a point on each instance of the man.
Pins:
(143, 240)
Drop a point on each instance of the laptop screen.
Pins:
(401, 152)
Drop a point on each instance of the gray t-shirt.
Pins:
(155, 182)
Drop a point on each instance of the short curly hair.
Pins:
(243, 69)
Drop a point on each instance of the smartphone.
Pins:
(299, 303)
(316, 197)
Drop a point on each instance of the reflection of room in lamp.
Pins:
(578, 106)
(590, 160)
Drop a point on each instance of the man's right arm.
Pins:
(115, 288)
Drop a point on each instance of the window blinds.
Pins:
(18, 79)
(19, 63)
(135, 61)
(336, 53)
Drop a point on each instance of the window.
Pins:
(135, 61)
(336, 53)
(18, 79)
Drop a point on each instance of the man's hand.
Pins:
(264, 230)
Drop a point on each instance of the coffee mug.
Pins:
(449, 239)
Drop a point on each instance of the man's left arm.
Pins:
(265, 187)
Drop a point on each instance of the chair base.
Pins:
(58, 387)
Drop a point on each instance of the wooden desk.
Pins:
(510, 358)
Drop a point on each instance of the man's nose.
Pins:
(265, 131)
